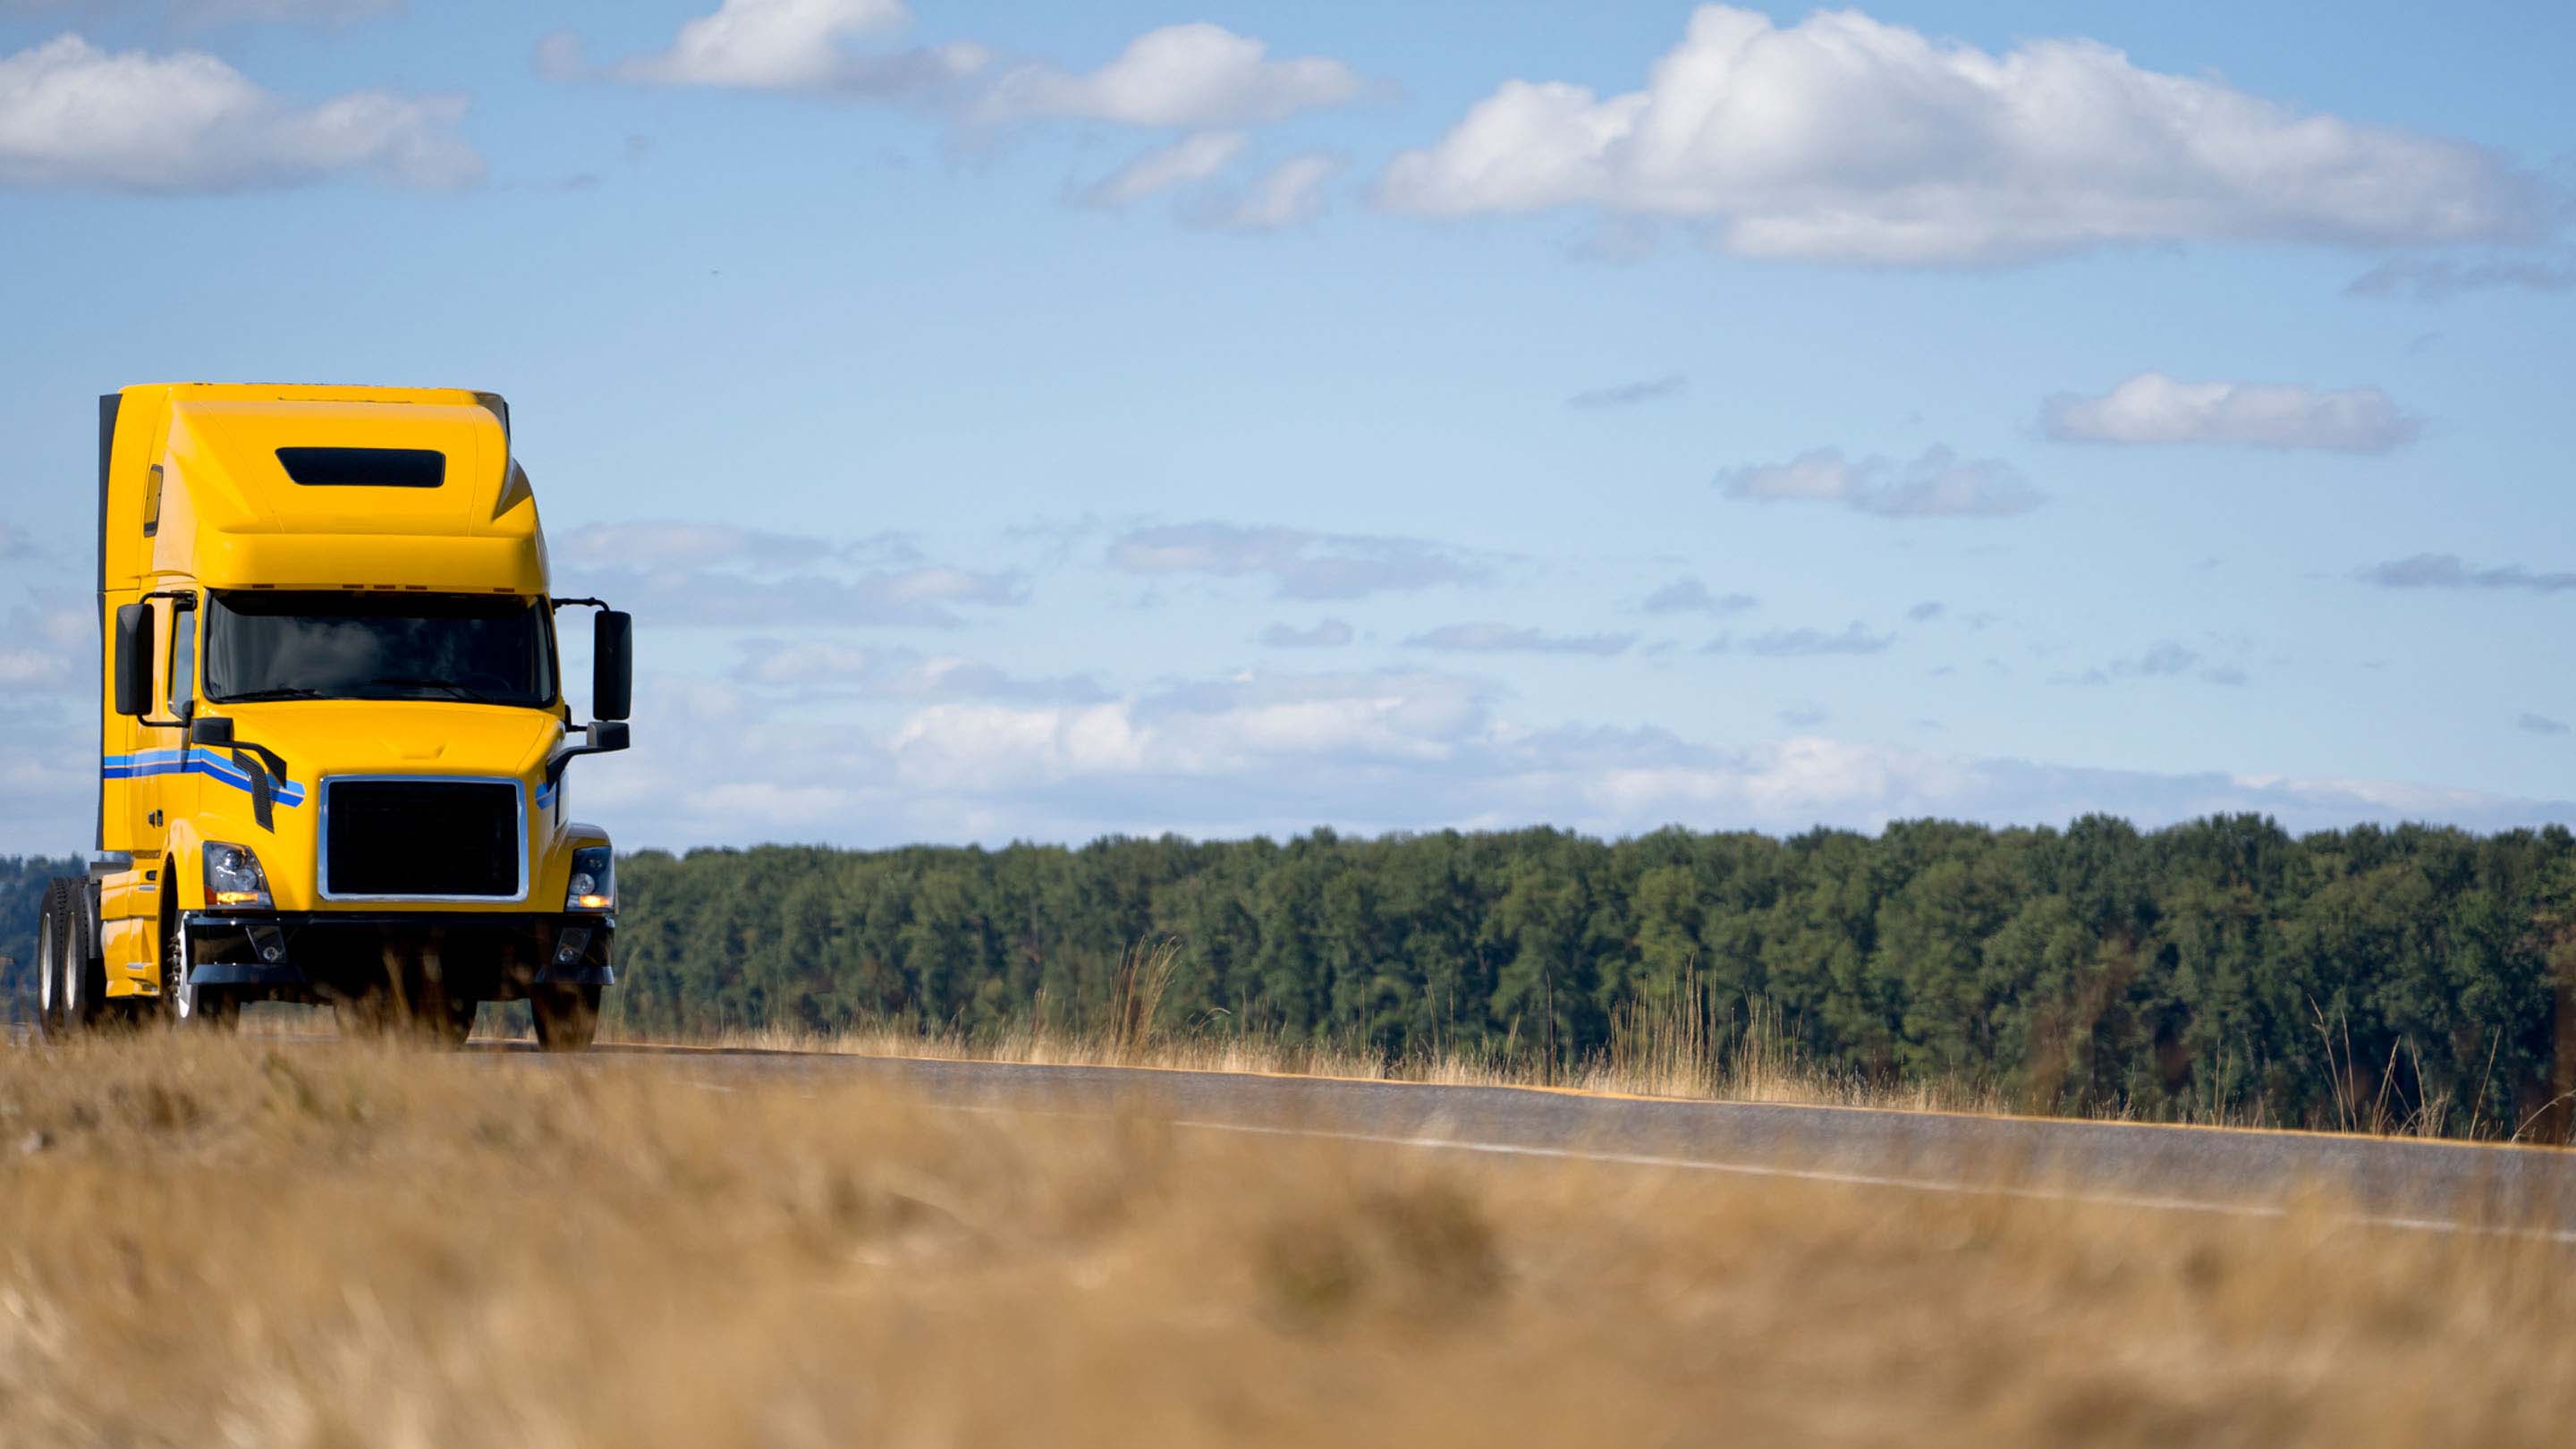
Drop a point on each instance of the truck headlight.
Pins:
(233, 876)
(594, 880)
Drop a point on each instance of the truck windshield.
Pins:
(484, 650)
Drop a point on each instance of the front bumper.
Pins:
(317, 955)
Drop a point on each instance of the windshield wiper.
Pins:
(454, 690)
(283, 691)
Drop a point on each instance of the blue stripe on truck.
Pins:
(190, 762)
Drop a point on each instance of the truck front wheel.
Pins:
(190, 1005)
(567, 1017)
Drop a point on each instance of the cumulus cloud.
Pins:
(75, 115)
(2447, 571)
(1288, 194)
(1328, 634)
(1848, 138)
(1939, 484)
(2154, 408)
(1192, 158)
(1300, 565)
(1488, 637)
(785, 45)
(1690, 596)
(1359, 751)
(1629, 393)
(1196, 75)
(1925, 612)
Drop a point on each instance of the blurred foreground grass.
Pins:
(260, 1243)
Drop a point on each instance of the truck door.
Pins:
(157, 753)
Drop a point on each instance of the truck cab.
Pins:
(334, 744)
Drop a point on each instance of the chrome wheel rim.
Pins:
(70, 967)
(45, 969)
(183, 996)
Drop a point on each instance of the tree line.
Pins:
(2219, 968)
(2222, 968)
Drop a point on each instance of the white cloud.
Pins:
(1849, 138)
(1197, 75)
(1302, 565)
(1409, 750)
(1939, 484)
(786, 45)
(72, 114)
(1194, 157)
(1489, 637)
(2154, 408)
(1288, 194)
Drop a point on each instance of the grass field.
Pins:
(244, 1242)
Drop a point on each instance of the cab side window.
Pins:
(183, 660)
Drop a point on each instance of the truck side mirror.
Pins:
(134, 660)
(612, 664)
(210, 730)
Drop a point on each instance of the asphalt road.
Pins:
(2430, 1186)
(2403, 1183)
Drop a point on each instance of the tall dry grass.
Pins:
(254, 1243)
(1666, 1042)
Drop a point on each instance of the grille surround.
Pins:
(422, 786)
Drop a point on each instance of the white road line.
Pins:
(2563, 1236)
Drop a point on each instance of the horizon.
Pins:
(1233, 421)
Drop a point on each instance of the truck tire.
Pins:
(49, 963)
(73, 984)
(567, 1017)
(191, 1007)
(85, 1003)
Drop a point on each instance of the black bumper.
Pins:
(311, 955)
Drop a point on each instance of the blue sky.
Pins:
(1029, 421)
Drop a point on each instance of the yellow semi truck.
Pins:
(333, 738)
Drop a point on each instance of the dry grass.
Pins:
(251, 1243)
(1663, 1044)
